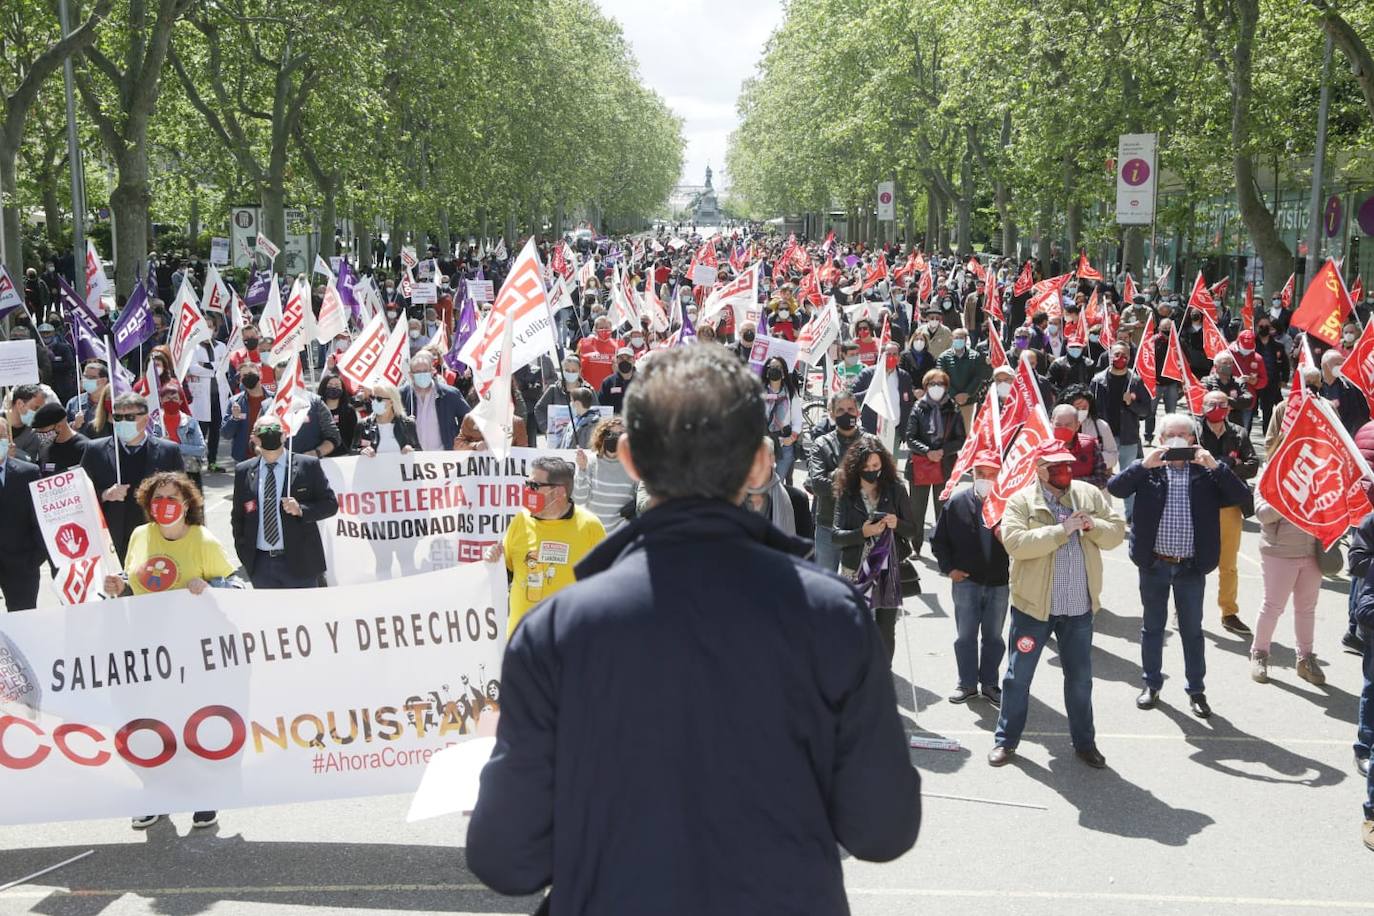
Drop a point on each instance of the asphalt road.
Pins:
(1256, 810)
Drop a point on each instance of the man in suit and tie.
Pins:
(278, 498)
(118, 464)
(21, 542)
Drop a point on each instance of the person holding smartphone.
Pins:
(1180, 490)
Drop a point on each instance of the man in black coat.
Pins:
(979, 570)
(278, 498)
(21, 542)
(701, 614)
(118, 464)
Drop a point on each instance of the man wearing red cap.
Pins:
(1250, 367)
(976, 563)
(1054, 530)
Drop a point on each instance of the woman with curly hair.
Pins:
(174, 550)
(873, 528)
(602, 486)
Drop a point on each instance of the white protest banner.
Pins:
(481, 290)
(18, 362)
(74, 532)
(406, 514)
(181, 702)
(424, 292)
(219, 251)
(765, 348)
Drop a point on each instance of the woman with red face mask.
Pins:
(868, 344)
(173, 550)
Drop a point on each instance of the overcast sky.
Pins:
(695, 53)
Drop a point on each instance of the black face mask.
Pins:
(871, 476)
(625, 367)
(746, 338)
(774, 374)
(270, 439)
(250, 344)
(249, 381)
(333, 393)
(846, 421)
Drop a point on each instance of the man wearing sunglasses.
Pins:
(118, 464)
(546, 539)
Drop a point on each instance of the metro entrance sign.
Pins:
(1136, 176)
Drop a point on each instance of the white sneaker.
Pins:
(144, 821)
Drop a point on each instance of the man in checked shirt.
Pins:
(1054, 530)
(1175, 543)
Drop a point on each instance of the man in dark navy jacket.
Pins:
(1175, 543)
(701, 723)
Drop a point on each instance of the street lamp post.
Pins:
(1317, 225)
(74, 157)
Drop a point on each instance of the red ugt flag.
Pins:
(1324, 305)
(1145, 358)
(1315, 477)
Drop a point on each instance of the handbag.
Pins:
(911, 576)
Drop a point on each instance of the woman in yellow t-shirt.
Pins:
(174, 550)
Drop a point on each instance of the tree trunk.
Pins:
(965, 207)
(1043, 247)
(1133, 252)
(932, 220)
(273, 195)
(329, 219)
(193, 227)
(13, 254)
(510, 229)
(364, 239)
(46, 177)
(1354, 49)
(559, 217)
(445, 235)
(129, 206)
(1073, 209)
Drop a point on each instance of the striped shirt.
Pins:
(1069, 590)
(1175, 535)
(603, 490)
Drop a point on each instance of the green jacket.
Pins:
(1031, 536)
(966, 373)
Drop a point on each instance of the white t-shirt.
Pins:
(386, 438)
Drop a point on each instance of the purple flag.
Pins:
(72, 304)
(762, 329)
(345, 285)
(467, 324)
(86, 344)
(257, 290)
(150, 281)
(687, 333)
(135, 324)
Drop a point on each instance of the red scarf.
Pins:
(171, 421)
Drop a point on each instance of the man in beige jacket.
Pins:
(1054, 530)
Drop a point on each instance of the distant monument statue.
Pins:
(704, 208)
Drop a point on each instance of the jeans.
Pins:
(1074, 637)
(1365, 733)
(1167, 392)
(979, 607)
(1125, 455)
(786, 457)
(1188, 585)
(827, 554)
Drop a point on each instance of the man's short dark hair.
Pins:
(26, 392)
(695, 419)
(560, 472)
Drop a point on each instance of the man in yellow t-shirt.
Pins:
(547, 538)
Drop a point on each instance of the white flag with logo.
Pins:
(333, 319)
(495, 415)
(360, 361)
(265, 245)
(215, 296)
(291, 331)
(322, 267)
(189, 329)
(742, 293)
(524, 302)
(819, 333)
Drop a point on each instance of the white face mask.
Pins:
(1003, 389)
(918, 346)
(982, 487)
(1176, 442)
(1082, 416)
(936, 392)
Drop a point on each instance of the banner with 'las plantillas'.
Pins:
(177, 702)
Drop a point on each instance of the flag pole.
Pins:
(109, 366)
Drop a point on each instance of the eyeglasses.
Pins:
(122, 417)
(536, 485)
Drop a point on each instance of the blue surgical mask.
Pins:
(1075, 352)
(380, 405)
(27, 417)
(89, 385)
(4, 449)
(959, 343)
(423, 379)
(126, 430)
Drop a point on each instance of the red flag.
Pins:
(1023, 400)
(1092, 312)
(1107, 336)
(1219, 288)
(1128, 290)
(1024, 281)
(920, 261)
(1018, 467)
(904, 270)
(1145, 358)
(993, 303)
(1085, 270)
(735, 263)
(1213, 342)
(1359, 364)
(1176, 367)
(1077, 334)
(997, 356)
(926, 287)
(1297, 389)
(1045, 296)
(1324, 305)
(1201, 299)
(1247, 310)
(982, 436)
(877, 272)
(1357, 289)
(706, 254)
(977, 268)
(810, 290)
(1315, 478)
(1286, 294)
